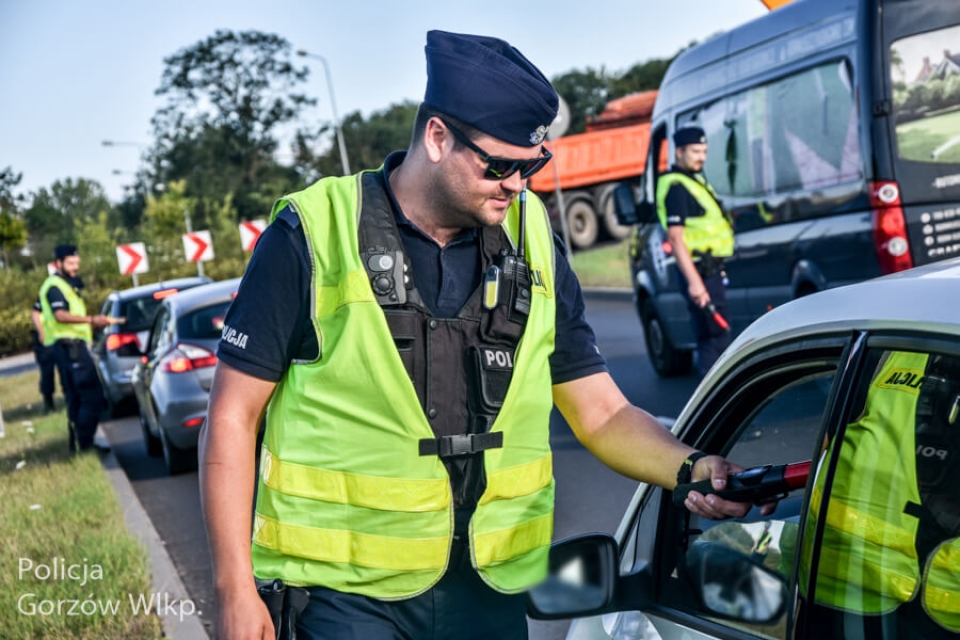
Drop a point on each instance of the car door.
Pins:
(160, 341)
(770, 409)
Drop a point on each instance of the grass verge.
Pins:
(68, 566)
(603, 266)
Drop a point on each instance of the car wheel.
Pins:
(152, 442)
(177, 460)
(582, 224)
(667, 360)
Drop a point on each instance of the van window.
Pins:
(796, 133)
(925, 75)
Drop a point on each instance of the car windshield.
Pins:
(205, 323)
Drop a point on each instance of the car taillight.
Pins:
(193, 422)
(187, 357)
(125, 344)
(889, 227)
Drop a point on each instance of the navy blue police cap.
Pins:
(689, 135)
(62, 251)
(488, 84)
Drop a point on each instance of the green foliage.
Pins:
(226, 97)
(13, 235)
(13, 232)
(368, 140)
(587, 92)
(58, 214)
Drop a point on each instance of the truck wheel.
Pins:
(611, 227)
(667, 360)
(582, 224)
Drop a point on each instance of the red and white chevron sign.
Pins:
(132, 258)
(250, 231)
(198, 246)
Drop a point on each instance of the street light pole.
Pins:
(333, 106)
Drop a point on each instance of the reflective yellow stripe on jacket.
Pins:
(941, 585)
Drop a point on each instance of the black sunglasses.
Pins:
(502, 168)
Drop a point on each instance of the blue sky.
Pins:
(76, 72)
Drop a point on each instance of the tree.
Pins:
(368, 141)
(227, 96)
(57, 214)
(13, 232)
(586, 94)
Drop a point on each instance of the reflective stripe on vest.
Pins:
(53, 330)
(941, 585)
(868, 559)
(709, 232)
(345, 501)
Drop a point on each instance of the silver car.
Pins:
(845, 408)
(172, 381)
(117, 348)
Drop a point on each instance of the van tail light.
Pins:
(193, 422)
(125, 344)
(889, 227)
(187, 357)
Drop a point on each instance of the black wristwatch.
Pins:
(686, 467)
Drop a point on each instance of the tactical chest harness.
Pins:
(481, 340)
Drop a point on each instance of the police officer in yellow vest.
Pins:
(68, 331)
(407, 331)
(700, 237)
(890, 554)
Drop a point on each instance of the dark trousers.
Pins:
(711, 338)
(81, 387)
(47, 362)
(460, 607)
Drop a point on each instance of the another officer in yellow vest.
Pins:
(68, 330)
(700, 237)
(890, 554)
(408, 334)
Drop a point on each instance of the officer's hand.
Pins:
(699, 295)
(99, 321)
(712, 506)
(244, 616)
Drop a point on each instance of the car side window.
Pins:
(736, 573)
(158, 332)
(883, 532)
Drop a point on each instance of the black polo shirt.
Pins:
(272, 305)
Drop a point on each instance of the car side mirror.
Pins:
(624, 206)
(628, 210)
(580, 580)
(732, 585)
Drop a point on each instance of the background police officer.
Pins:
(406, 474)
(44, 356)
(68, 331)
(700, 237)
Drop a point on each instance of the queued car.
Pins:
(117, 348)
(172, 380)
(852, 396)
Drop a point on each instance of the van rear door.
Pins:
(921, 58)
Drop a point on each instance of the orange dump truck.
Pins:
(590, 164)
